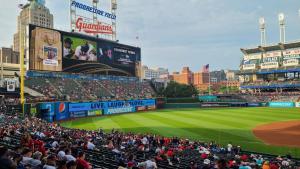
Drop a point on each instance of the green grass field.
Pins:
(222, 125)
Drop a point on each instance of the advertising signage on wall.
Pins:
(281, 104)
(255, 56)
(87, 26)
(272, 54)
(291, 62)
(88, 106)
(269, 65)
(91, 9)
(249, 66)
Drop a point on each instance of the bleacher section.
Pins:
(85, 88)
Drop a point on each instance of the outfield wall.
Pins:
(59, 111)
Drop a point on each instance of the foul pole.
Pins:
(22, 72)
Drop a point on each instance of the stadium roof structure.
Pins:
(94, 68)
(271, 47)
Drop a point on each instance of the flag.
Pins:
(205, 68)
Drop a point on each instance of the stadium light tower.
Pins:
(262, 27)
(114, 8)
(281, 19)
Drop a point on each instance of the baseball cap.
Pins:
(206, 161)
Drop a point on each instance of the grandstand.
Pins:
(272, 72)
(67, 87)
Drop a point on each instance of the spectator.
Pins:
(5, 161)
(82, 163)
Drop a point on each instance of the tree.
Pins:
(175, 89)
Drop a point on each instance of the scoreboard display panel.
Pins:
(79, 53)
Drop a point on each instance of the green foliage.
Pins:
(175, 90)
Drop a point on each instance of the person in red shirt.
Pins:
(244, 157)
(82, 163)
(170, 153)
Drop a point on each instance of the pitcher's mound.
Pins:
(279, 133)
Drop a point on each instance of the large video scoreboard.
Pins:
(54, 50)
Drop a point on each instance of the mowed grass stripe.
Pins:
(144, 123)
(172, 128)
(223, 127)
(211, 132)
(245, 115)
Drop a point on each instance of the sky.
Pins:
(177, 33)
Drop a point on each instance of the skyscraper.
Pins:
(34, 12)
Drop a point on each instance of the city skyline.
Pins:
(191, 34)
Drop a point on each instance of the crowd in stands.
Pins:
(59, 88)
(271, 97)
(273, 83)
(31, 143)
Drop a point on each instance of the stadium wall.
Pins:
(61, 111)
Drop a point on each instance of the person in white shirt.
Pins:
(68, 156)
(149, 164)
(229, 147)
(90, 146)
(51, 162)
(27, 153)
(54, 144)
(61, 154)
(85, 52)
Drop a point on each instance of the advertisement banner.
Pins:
(88, 26)
(255, 56)
(61, 110)
(142, 108)
(270, 59)
(297, 104)
(50, 107)
(291, 52)
(94, 113)
(269, 65)
(253, 105)
(272, 54)
(281, 104)
(151, 107)
(91, 9)
(291, 62)
(74, 107)
(78, 114)
(125, 56)
(119, 110)
(88, 106)
(249, 66)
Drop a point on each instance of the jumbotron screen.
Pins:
(54, 50)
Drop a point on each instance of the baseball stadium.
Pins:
(79, 101)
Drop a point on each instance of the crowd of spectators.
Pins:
(272, 83)
(64, 89)
(271, 96)
(31, 143)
